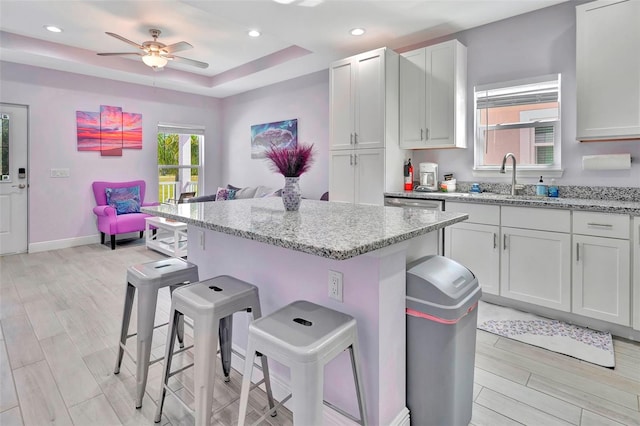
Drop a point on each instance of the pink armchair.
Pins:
(109, 222)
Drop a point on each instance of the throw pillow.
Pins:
(124, 200)
(225, 194)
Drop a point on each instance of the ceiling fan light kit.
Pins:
(154, 60)
(156, 54)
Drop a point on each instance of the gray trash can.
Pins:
(442, 300)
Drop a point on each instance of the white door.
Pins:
(369, 180)
(341, 176)
(601, 278)
(370, 100)
(536, 267)
(342, 105)
(477, 247)
(412, 99)
(14, 179)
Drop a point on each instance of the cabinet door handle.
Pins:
(427, 133)
(577, 252)
(355, 138)
(421, 134)
(351, 159)
(355, 159)
(495, 240)
(504, 242)
(600, 225)
(350, 138)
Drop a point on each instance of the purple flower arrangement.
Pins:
(291, 162)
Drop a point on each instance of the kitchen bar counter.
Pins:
(595, 205)
(288, 256)
(332, 230)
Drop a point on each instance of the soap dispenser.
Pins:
(541, 188)
(553, 189)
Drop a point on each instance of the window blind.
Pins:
(180, 129)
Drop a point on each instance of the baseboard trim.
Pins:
(78, 241)
(62, 244)
(281, 389)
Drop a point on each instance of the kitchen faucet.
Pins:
(514, 186)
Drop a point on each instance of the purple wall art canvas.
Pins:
(281, 134)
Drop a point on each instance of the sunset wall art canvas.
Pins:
(88, 124)
(131, 130)
(109, 131)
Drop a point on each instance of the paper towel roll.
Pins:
(606, 162)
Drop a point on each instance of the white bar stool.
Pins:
(305, 337)
(148, 278)
(209, 304)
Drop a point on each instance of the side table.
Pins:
(170, 237)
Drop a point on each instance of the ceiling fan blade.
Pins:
(188, 61)
(121, 53)
(177, 47)
(119, 37)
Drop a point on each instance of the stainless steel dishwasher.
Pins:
(418, 203)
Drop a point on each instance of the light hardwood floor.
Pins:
(60, 313)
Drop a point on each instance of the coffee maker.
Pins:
(428, 177)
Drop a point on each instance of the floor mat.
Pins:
(579, 342)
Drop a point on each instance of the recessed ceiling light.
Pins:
(254, 33)
(53, 28)
(357, 31)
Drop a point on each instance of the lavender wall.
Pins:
(536, 43)
(305, 98)
(61, 208)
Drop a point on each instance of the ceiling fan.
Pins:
(156, 54)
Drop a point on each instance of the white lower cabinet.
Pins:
(601, 267)
(356, 176)
(476, 246)
(536, 267)
(578, 262)
(601, 278)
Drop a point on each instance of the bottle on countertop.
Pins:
(541, 188)
(408, 176)
(553, 189)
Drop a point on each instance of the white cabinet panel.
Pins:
(478, 213)
(342, 176)
(536, 267)
(369, 181)
(601, 279)
(534, 218)
(601, 224)
(342, 99)
(635, 291)
(433, 88)
(365, 157)
(477, 248)
(608, 70)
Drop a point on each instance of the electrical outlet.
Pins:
(335, 285)
(59, 173)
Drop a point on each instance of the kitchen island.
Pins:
(288, 255)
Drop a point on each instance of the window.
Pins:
(179, 160)
(521, 117)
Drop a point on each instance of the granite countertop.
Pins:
(327, 229)
(595, 205)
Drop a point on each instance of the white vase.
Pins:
(291, 194)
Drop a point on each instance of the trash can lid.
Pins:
(441, 281)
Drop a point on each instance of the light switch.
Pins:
(59, 173)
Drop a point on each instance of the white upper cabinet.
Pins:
(358, 103)
(433, 83)
(365, 157)
(608, 70)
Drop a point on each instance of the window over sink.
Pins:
(521, 117)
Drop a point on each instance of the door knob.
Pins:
(21, 186)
